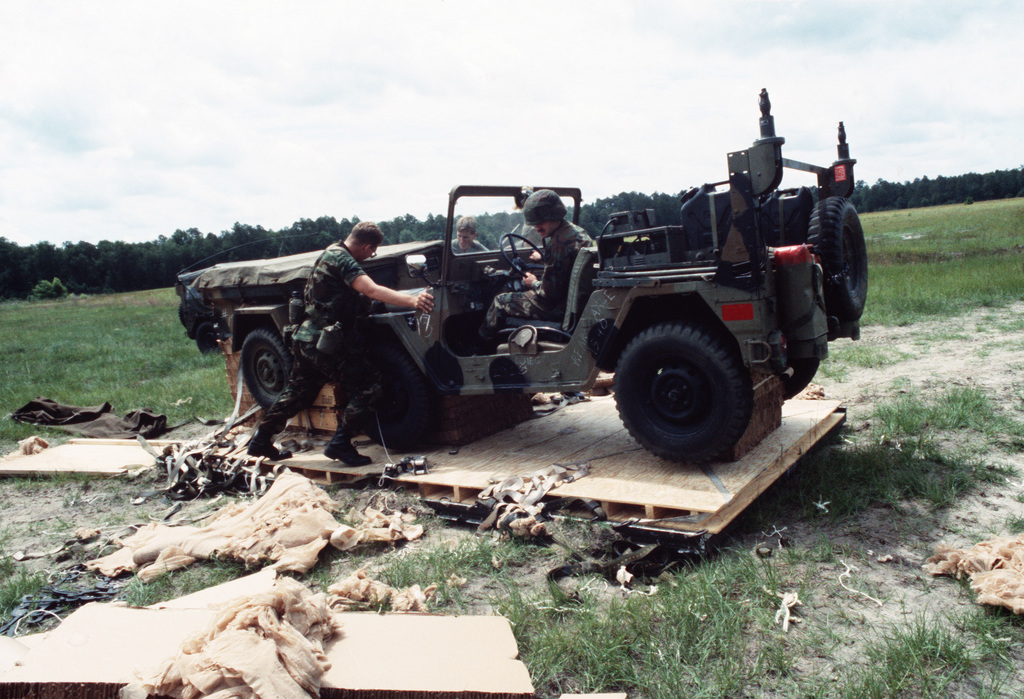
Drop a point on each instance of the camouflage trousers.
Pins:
(515, 304)
(311, 369)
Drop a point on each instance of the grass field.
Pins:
(943, 260)
(126, 349)
(710, 629)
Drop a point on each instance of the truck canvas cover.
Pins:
(283, 270)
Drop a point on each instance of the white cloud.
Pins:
(127, 120)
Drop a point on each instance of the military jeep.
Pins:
(690, 315)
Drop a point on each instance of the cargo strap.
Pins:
(586, 565)
(58, 598)
(515, 497)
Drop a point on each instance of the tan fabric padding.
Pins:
(995, 567)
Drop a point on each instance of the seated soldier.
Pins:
(465, 237)
(544, 298)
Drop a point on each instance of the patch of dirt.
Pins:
(885, 549)
(982, 350)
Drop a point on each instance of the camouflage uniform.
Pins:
(547, 299)
(329, 298)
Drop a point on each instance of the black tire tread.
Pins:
(263, 338)
(206, 337)
(732, 400)
(837, 236)
(404, 431)
(803, 373)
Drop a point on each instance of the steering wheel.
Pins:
(507, 246)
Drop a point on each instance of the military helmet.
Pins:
(543, 205)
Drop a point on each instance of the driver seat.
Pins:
(581, 284)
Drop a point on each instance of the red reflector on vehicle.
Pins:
(792, 255)
(840, 173)
(738, 311)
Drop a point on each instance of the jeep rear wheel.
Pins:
(682, 392)
(408, 406)
(803, 372)
(837, 236)
(265, 364)
(206, 337)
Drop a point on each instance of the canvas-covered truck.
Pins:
(748, 285)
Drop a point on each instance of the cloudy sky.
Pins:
(129, 120)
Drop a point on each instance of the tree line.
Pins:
(118, 266)
(923, 191)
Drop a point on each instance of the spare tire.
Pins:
(837, 237)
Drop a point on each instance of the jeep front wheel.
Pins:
(206, 337)
(682, 392)
(408, 404)
(265, 363)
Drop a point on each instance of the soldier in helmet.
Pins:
(544, 298)
(332, 303)
(465, 237)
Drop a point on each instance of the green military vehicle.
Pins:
(751, 282)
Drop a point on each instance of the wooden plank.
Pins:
(123, 442)
(80, 456)
(628, 481)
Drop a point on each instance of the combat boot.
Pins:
(262, 444)
(340, 449)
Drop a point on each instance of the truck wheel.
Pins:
(183, 317)
(265, 363)
(206, 337)
(682, 392)
(837, 236)
(408, 406)
(803, 371)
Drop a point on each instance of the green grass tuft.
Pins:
(178, 583)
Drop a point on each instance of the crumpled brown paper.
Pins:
(27, 447)
(289, 525)
(373, 525)
(267, 646)
(360, 590)
(995, 567)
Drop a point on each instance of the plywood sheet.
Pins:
(100, 646)
(100, 457)
(218, 595)
(621, 470)
(626, 479)
(427, 655)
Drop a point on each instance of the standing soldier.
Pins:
(545, 298)
(328, 347)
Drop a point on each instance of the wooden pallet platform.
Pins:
(629, 482)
